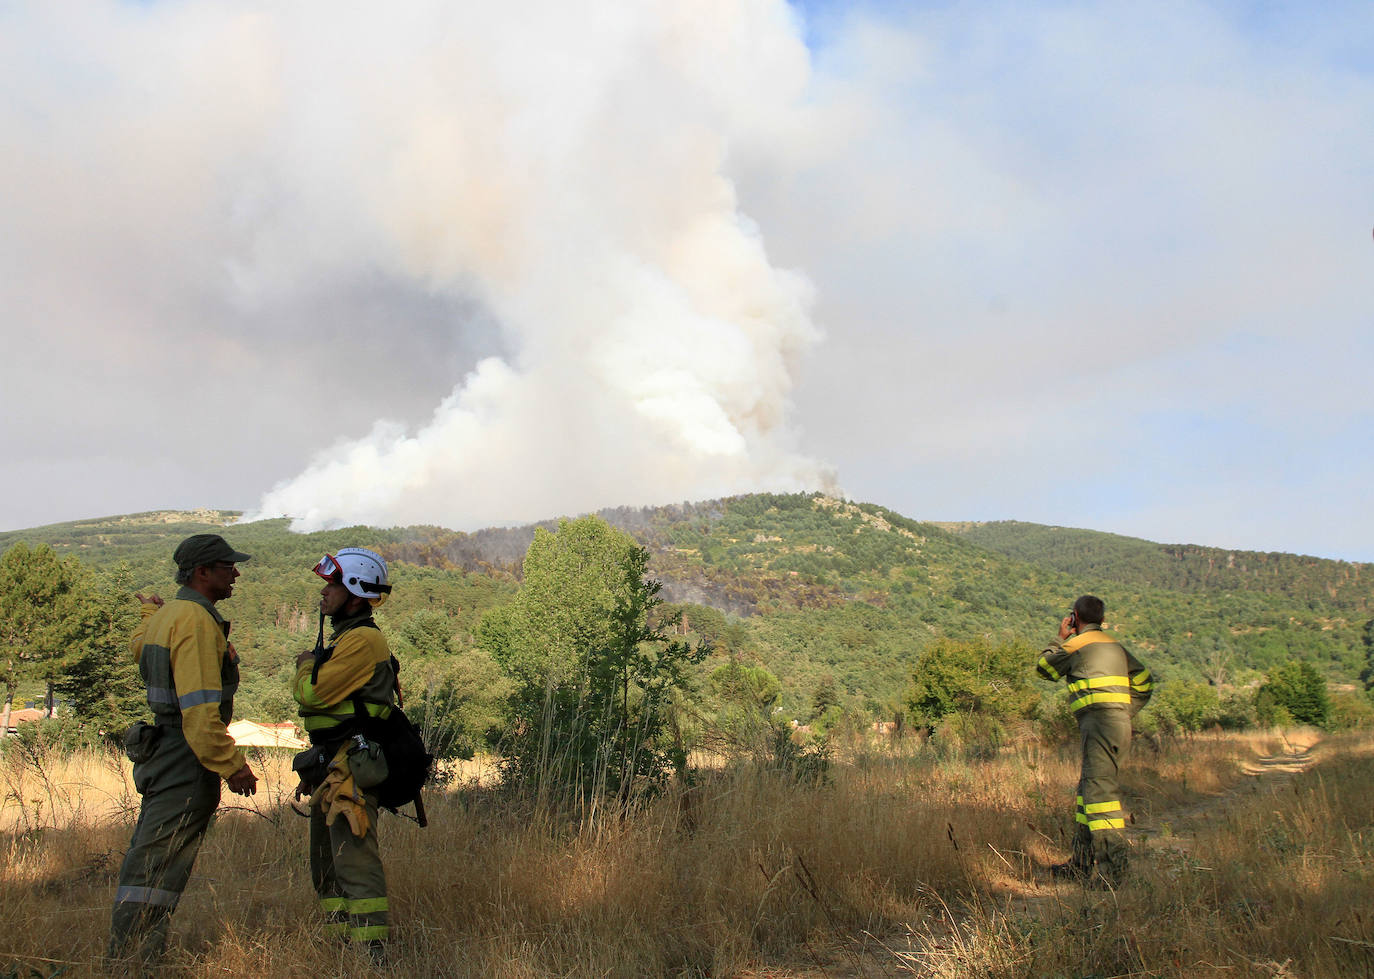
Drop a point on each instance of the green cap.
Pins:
(199, 550)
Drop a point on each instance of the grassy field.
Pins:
(1254, 856)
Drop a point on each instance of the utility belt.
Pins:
(366, 762)
(141, 739)
(386, 756)
(366, 755)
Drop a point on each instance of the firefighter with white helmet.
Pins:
(340, 688)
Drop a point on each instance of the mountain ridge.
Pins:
(808, 585)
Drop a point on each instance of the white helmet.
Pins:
(361, 571)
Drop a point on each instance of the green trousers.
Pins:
(1099, 838)
(348, 876)
(180, 796)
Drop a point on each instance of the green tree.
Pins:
(1297, 690)
(573, 582)
(750, 687)
(595, 684)
(427, 632)
(965, 677)
(1367, 674)
(825, 696)
(704, 621)
(745, 700)
(1193, 706)
(459, 704)
(41, 608)
(1351, 710)
(100, 680)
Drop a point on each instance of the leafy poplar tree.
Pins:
(573, 582)
(458, 703)
(595, 681)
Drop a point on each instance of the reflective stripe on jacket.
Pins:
(182, 650)
(359, 664)
(1099, 670)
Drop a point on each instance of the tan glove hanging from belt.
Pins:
(339, 795)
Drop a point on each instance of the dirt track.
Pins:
(1176, 828)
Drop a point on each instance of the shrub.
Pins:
(1236, 712)
(1056, 723)
(1297, 690)
(804, 762)
(1193, 706)
(63, 736)
(970, 677)
(969, 736)
(1351, 711)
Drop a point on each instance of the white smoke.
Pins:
(564, 166)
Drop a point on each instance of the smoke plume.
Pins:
(562, 170)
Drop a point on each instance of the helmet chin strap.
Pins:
(321, 654)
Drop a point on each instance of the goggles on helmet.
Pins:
(328, 568)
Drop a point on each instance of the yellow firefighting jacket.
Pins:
(191, 672)
(358, 664)
(1099, 670)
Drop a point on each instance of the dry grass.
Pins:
(902, 864)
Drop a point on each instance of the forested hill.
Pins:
(822, 592)
(1180, 567)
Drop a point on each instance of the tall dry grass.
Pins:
(905, 862)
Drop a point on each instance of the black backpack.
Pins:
(408, 762)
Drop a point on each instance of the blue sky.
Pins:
(1083, 264)
(1170, 200)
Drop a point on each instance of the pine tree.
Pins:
(825, 696)
(40, 610)
(1367, 674)
(99, 679)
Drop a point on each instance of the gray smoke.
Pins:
(563, 168)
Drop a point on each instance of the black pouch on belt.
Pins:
(311, 765)
(140, 741)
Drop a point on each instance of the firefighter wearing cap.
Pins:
(1107, 687)
(191, 672)
(337, 686)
